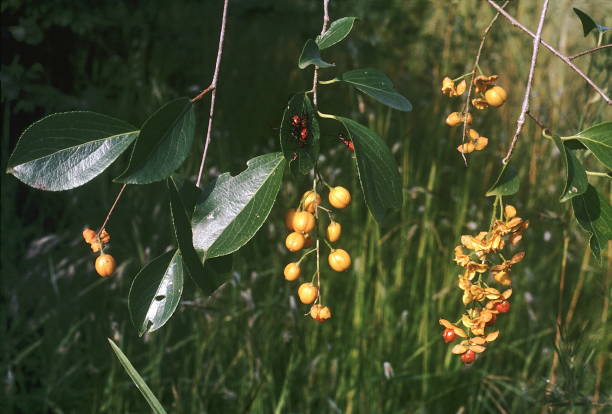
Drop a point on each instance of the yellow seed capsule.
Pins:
(105, 265)
(339, 197)
(455, 118)
(496, 96)
(303, 221)
(292, 271)
(295, 241)
(289, 219)
(334, 230)
(320, 313)
(308, 293)
(310, 201)
(339, 260)
(509, 211)
(466, 148)
(473, 134)
(89, 235)
(481, 143)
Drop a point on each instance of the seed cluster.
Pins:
(484, 303)
(105, 263)
(302, 222)
(489, 94)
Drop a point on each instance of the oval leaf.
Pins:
(378, 173)
(337, 31)
(232, 209)
(164, 143)
(311, 55)
(66, 150)
(301, 156)
(507, 182)
(156, 291)
(576, 181)
(598, 139)
(588, 23)
(378, 86)
(594, 214)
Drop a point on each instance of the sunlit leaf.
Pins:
(302, 155)
(378, 173)
(337, 31)
(378, 86)
(507, 182)
(575, 177)
(164, 142)
(140, 383)
(598, 139)
(156, 291)
(594, 214)
(66, 150)
(232, 209)
(311, 55)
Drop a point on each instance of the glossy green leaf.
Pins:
(232, 209)
(588, 24)
(378, 172)
(140, 383)
(66, 150)
(576, 181)
(594, 214)
(598, 139)
(311, 55)
(302, 156)
(378, 86)
(337, 31)
(164, 142)
(507, 182)
(156, 291)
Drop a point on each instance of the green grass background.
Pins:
(251, 349)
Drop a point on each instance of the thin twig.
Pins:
(586, 52)
(201, 94)
(111, 209)
(315, 77)
(554, 51)
(466, 108)
(213, 86)
(525, 107)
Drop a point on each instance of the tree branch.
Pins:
(315, 77)
(213, 86)
(586, 52)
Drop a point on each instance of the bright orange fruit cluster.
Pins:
(484, 303)
(105, 263)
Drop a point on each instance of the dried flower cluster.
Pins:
(483, 303)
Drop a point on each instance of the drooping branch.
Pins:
(316, 70)
(554, 51)
(213, 87)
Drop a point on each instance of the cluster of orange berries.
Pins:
(489, 95)
(483, 303)
(302, 222)
(105, 263)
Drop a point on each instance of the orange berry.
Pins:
(292, 271)
(339, 260)
(455, 118)
(509, 211)
(308, 293)
(339, 197)
(334, 230)
(105, 265)
(295, 241)
(303, 221)
(468, 357)
(89, 235)
(310, 201)
(289, 219)
(496, 96)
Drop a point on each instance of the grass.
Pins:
(251, 349)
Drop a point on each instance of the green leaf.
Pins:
(232, 209)
(507, 182)
(576, 181)
(142, 386)
(587, 21)
(311, 55)
(156, 291)
(598, 139)
(378, 86)
(66, 150)
(378, 173)
(301, 156)
(337, 31)
(594, 214)
(164, 143)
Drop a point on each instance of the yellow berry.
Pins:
(295, 241)
(303, 221)
(310, 201)
(308, 293)
(105, 265)
(292, 271)
(509, 211)
(289, 219)
(339, 260)
(496, 96)
(334, 230)
(339, 197)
